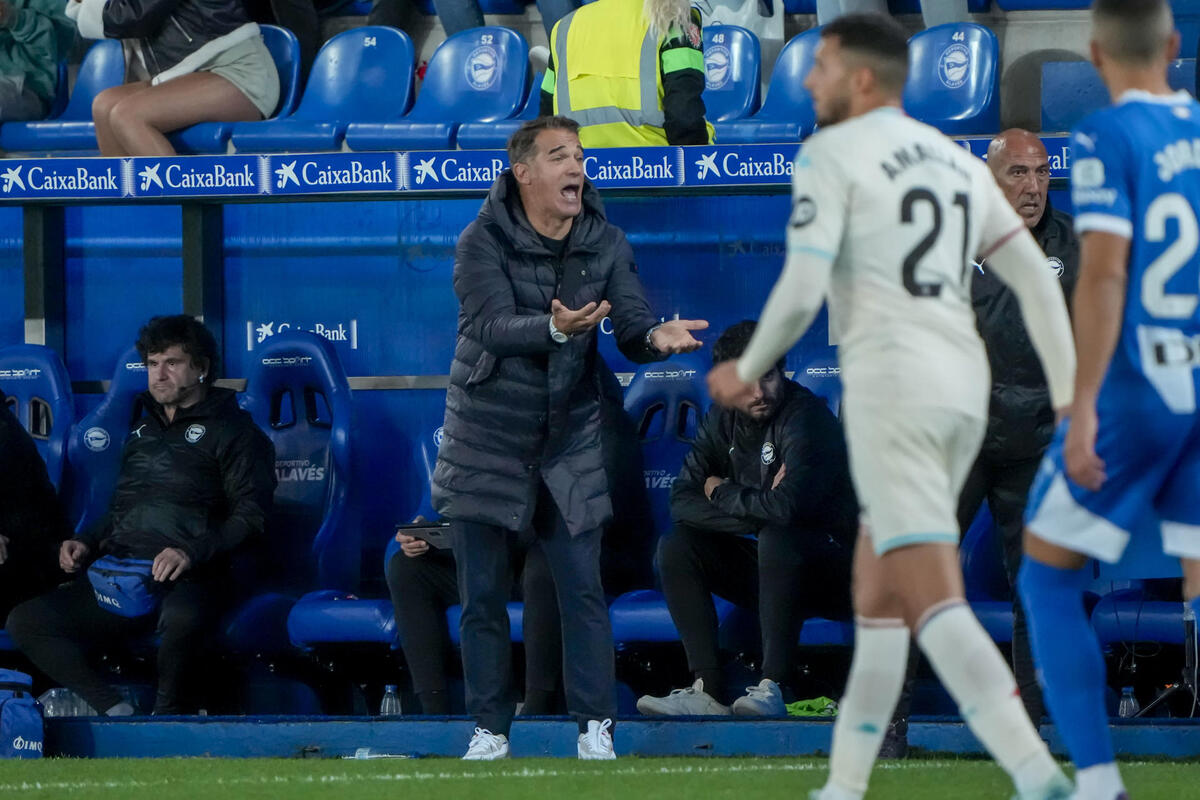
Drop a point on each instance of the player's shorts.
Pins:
(1152, 463)
(909, 466)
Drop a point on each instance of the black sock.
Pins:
(434, 702)
(713, 684)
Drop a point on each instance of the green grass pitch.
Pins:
(540, 778)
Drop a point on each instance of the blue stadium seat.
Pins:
(62, 91)
(819, 372)
(1072, 89)
(213, 137)
(35, 385)
(787, 114)
(954, 79)
(495, 135)
(1126, 615)
(665, 401)
(984, 578)
(94, 450)
(298, 394)
(481, 74)
(641, 616)
(360, 74)
(733, 73)
(102, 68)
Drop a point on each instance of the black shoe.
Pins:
(895, 741)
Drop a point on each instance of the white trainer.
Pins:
(597, 743)
(690, 702)
(764, 700)
(486, 746)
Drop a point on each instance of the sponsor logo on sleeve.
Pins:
(1055, 263)
(804, 211)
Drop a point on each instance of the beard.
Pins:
(837, 111)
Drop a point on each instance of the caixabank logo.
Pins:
(334, 173)
(741, 164)
(61, 177)
(434, 170)
(634, 167)
(193, 176)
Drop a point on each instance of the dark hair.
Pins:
(522, 143)
(733, 341)
(161, 333)
(879, 38)
(1132, 31)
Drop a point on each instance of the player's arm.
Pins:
(814, 234)
(1099, 307)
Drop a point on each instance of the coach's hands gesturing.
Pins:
(580, 320)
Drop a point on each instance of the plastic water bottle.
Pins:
(1128, 706)
(390, 705)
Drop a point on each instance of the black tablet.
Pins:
(436, 533)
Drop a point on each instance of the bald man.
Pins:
(1020, 419)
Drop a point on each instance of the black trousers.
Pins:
(1005, 486)
(423, 587)
(484, 579)
(59, 631)
(786, 575)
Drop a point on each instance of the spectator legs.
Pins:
(421, 589)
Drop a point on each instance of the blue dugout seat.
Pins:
(954, 79)
(360, 74)
(103, 67)
(1129, 615)
(733, 73)
(35, 385)
(213, 137)
(481, 74)
(984, 578)
(787, 114)
(495, 135)
(1072, 89)
(818, 371)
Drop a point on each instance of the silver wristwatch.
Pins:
(649, 334)
(556, 334)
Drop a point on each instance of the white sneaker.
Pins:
(689, 702)
(1060, 787)
(486, 746)
(764, 700)
(597, 744)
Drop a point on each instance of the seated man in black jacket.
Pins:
(765, 516)
(196, 484)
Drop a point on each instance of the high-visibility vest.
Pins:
(607, 75)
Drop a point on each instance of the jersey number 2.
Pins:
(933, 289)
(1155, 298)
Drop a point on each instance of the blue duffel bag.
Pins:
(125, 586)
(21, 729)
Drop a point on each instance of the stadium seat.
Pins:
(94, 450)
(984, 578)
(819, 372)
(495, 135)
(954, 79)
(1072, 89)
(102, 68)
(360, 74)
(733, 67)
(213, 137)
(297, 392)
(35, 385)
(62, 91)
(1128, 615)
(641, 617)
(787, 114)
(481, 74)
(665, 401)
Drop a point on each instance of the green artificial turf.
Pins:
(540, 778)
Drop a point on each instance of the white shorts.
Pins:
(909, 466)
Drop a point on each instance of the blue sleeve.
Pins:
(1101, 177)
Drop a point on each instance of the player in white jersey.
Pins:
(887, 215)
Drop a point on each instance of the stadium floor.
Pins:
(661, 778)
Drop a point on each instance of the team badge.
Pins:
(768, 453)
(1055, 263)
(803, 212)
(954, 65)
(194, 433)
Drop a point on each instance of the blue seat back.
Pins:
(297, 392)
(425, 450)
(36, 387)
(787, 99)
(94, 451)
(284, 48)
(818, 371)
(102, 68)
(982, 558)
(481, 75)
(733, 71)
(954, 78)
(61, 91)
(360, 74)
(666, 401)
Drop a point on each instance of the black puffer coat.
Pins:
(522, 409)
(1020, 419)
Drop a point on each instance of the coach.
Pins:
(535, 274)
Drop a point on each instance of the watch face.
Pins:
(559, 337)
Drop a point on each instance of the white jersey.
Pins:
(903, 211)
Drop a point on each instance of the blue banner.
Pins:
(75, 178)
(701, 167)
(203, 176)
(334, 173)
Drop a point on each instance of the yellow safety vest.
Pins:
(607, 77)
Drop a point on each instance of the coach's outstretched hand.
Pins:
(675, 336)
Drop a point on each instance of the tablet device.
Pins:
(436, 533)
